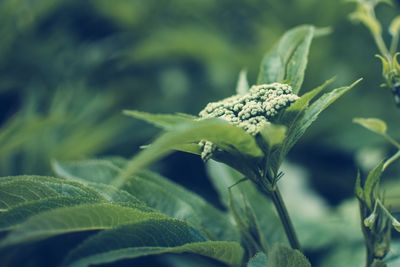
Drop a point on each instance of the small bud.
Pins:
(370, 220)
(396, 225)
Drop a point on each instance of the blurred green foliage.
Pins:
(68, 68)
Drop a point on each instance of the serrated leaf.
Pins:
(24, 196)
(287, 61)
(79, 218)
(19, 190)
(242, 86)
(301, 123)
(217, 131)
(156, 192)
(12, 217)
(164, 121)
(119, 196)
(280, 256)
(150, 238)
(273, 134)
(97, 175)
(258, 260)
(373, 124)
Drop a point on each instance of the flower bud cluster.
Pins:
(251, 111)
(207, 149)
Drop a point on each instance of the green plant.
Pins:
(376, 215)
(42, 130)
(258, 158)
(138, 212)
(112, 209)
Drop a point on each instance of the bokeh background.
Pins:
(68, 69)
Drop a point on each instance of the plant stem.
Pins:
(391, 140)
(391, 160)
(285, 218)
(368, 238)
(394, 44)
(382, 47)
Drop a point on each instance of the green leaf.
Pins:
(119, 196)
(280, 256)
(25, 196)
(217, 131)
(223, 177)
(174, 200)
(94, 170)
(19, 190)
(304, 101)
(373, 124)
(156, 192)
(97, 174)
(258, 260)
(189, 148)
(12, 217)
(165, 121)
(324, 227)
(242, 86)
(150, 238)
(371, 184)
(287, 61)
(246, 221)
(75, 219)
(358, 190)
(301, 122)
(273, 134)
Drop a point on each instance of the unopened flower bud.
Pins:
(250, 111)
